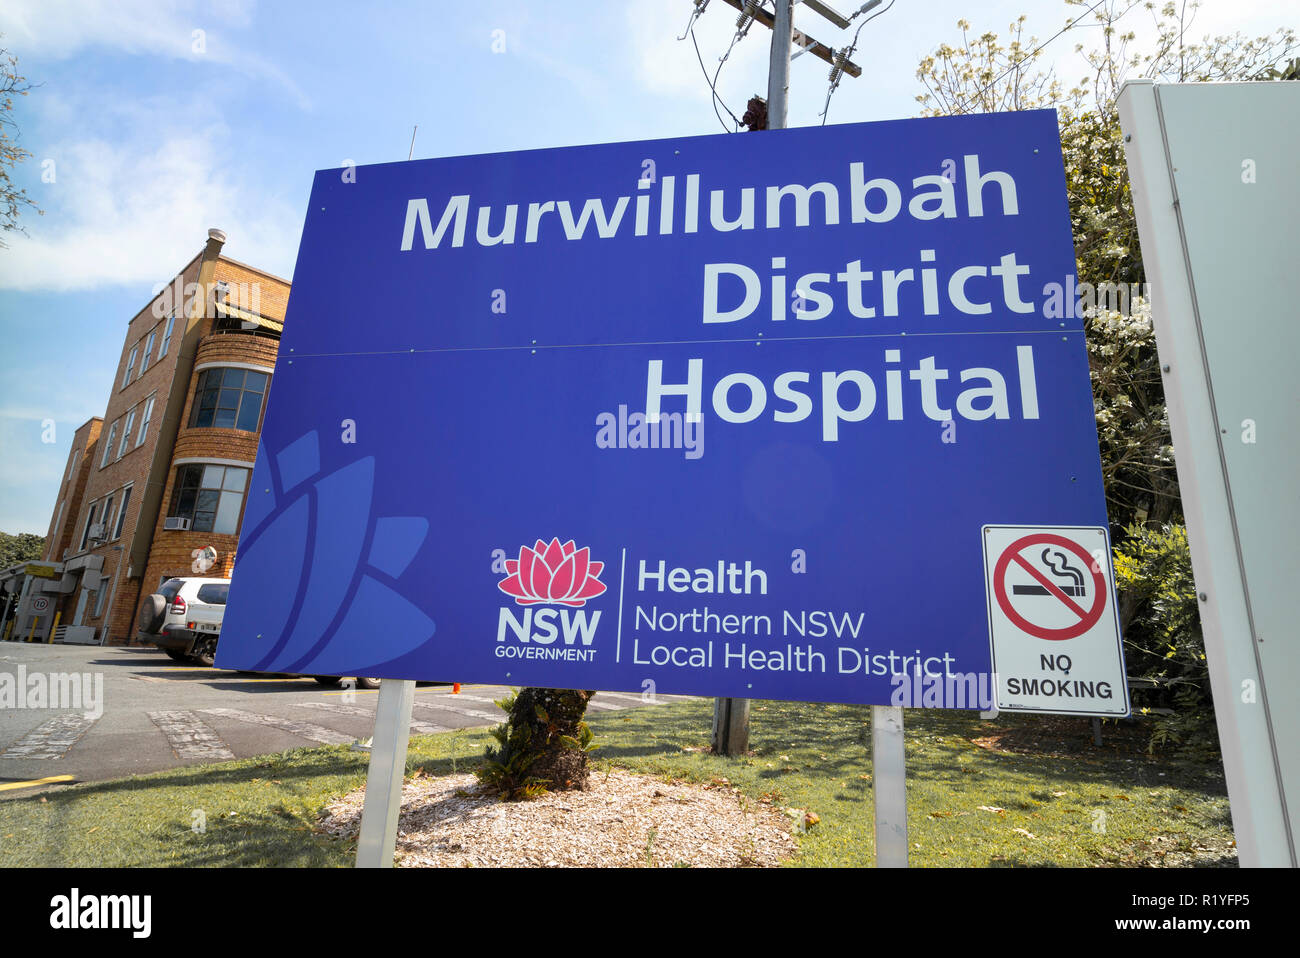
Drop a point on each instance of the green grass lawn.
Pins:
(1044, 803)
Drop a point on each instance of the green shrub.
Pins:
(542, 746)
(1162, 635)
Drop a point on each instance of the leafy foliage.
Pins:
(1153, 568)
(986, 71)
(543, 733)
(12, 199)
(505, 766)
(20, 548)
(1137, 453)
(983, 72)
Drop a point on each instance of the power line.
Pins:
(743, 23)
(837, 71)
(700, 6)
(713, 85)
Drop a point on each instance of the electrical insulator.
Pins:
(747, 16)
(837, 68)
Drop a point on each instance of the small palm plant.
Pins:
(542, 746)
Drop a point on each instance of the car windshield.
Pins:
(214, 593)
(171, 587)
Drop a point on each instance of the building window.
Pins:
(126, 434)
(100, 595)
(167, 336)
(108, 446)
(229, 399)
(144, 419)
(107, 518)
(210, 496)
(54, 532)
(130, 365)
(90, 521)
(148, 350)
(121, 514)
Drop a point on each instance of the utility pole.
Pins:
(731, 716)
(778, 66)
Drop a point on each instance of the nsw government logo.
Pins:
(550, 574)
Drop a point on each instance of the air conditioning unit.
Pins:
(177, 523)
(97, 531)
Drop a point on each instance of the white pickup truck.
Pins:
(165, 616)
(204, 621)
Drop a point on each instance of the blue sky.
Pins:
(161, 119)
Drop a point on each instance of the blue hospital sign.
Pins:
(725, 414)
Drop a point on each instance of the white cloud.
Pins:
(30, 469)
(236, 12)
(669, 66)
(185, 31)
(136, 214)
(27, 394)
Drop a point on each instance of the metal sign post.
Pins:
(889, 783)
(383, 801)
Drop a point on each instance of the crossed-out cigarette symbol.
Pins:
(1059, 563)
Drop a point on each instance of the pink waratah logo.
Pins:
(556, 574)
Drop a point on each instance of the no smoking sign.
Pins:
(1053, 624)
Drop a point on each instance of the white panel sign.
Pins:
(1216, 192)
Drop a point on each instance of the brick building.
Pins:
(165, 471)
(72, 487)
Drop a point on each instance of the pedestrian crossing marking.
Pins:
(189, 736)
(51, 739)
(493, 717)
(423, 728)
(307, 730)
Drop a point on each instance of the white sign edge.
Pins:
(1245, 738)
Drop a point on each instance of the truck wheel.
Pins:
(205, 651)
(364, 683)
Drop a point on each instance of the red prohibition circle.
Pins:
(1091, 617)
